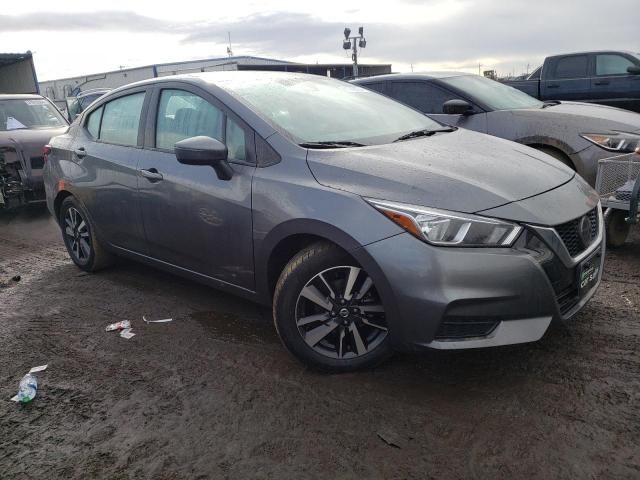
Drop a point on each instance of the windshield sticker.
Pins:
(35, 102)
(13, 124)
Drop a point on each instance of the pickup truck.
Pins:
(607, 77)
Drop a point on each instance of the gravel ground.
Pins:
(214, 395)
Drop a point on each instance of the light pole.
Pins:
(352, 43)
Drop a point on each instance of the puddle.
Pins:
(229, 326)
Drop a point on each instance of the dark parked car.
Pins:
(368, 226)
(577, 134)
(77, 104)
(607, 77)
(27, 122)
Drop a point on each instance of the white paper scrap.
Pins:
(14, 398)
(38, 369)
(127, 333)
(164, 320)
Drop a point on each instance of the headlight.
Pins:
(440, 227)
(615, 142)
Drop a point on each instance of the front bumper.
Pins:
(454, 298)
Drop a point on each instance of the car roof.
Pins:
(93, 91)
(411, 76)
(592, 52)
(218, 78)
(19, 96)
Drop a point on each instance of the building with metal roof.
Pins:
(71, 86)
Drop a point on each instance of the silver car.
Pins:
(367, 226)
(577, 134)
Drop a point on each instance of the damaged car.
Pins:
(27, 123)
(367, 226)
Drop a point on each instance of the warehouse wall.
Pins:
(60, 89)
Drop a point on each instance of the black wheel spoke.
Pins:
(76, 230)
(339, 313)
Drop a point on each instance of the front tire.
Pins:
(79, 237)
(328, 312)
(617, 228)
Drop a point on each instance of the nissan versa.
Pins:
(368, 226)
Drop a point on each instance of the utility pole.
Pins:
(229, 51)
(479, 67)
(352, 43)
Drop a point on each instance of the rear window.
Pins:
(572, 67)
(34, 113)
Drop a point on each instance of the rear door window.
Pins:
(612, 64)
(93, 122)
(572, 67)
(121, 120)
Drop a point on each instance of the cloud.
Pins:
(493, 31)
(121, 21)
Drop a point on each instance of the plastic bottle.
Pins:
(28, 388)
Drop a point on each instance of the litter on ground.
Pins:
(164, 320)
(124, 324)
(127, 333)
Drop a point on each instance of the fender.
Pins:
(544, 140)
(264, 248)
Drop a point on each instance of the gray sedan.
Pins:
(577, 134)
(366, 225)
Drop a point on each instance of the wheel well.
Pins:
(285, 251)
(58, 202)
(554, 152)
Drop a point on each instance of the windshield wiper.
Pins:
(424, 133)
(551, 103)
(331, 144)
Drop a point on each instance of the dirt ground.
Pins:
(214, 395)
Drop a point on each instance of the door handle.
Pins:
(553, 86)
(81, 152)
(151, 174)
(601, 82)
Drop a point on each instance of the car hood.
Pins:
(586, 117)
(30, 139)
(462, 171)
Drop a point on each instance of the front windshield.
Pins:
(29, 113)
(319, 109)
(493, 94)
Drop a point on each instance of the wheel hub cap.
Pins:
(339, 313)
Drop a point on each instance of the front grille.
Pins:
(570, 233)
(568, 299)
(37, 162)
(563, 280)
(459, 328)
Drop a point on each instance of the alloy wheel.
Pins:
(77, 234)
(339, 313)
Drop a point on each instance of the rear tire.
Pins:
(328, 312)
(617, 228)
(79, 237)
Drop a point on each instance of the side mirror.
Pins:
(457, 107)
(205, 151)
(634, 70)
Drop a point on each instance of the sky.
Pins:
(72, 37)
